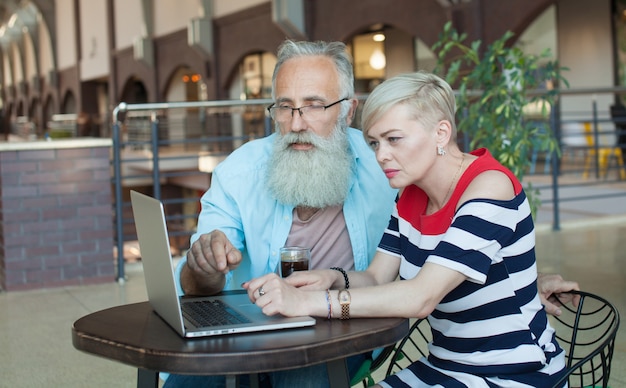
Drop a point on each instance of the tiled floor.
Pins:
(35, 326)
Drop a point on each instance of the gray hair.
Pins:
(334, 50)
(430, 97)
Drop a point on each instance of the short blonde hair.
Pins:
(430, 97)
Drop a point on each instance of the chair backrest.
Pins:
(587, 334)
(399, 355)
(607, 137)
(412, 347)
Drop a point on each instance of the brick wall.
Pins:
(56, 218)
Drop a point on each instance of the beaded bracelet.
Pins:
(330, 307)
(345, 275)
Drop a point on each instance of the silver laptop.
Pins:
(229, 312)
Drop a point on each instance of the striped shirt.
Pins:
(493, 325)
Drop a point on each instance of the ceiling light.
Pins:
(378, 60)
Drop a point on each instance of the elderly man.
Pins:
(314, 183)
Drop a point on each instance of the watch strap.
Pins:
(344, 303)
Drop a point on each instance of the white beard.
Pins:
(317, 178)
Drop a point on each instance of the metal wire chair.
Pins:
(587, 334)
(365, 373)
(412, 347)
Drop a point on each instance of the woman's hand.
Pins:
(319, 280)
(275, 295)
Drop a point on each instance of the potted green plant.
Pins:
(496, 87)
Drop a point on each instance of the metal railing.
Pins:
(592, 145)
(157, 143)
(175, 146)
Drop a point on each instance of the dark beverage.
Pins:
(294, 259)
(290, 266)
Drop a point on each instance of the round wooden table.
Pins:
(133, 334)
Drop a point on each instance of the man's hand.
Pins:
(208, 260)
(553, 292)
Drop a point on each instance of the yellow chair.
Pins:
(603, 156)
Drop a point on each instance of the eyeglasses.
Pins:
(310, 113)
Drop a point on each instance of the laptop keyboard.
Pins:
(211, 313)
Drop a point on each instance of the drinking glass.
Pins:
(294, 259)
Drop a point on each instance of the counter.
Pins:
(56, 227)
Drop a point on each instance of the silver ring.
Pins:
(261, 291)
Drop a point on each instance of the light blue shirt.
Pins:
(239, 204)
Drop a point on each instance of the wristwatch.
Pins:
(344, 301)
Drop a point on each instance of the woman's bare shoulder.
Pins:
(491, 184)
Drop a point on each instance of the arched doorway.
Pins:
(384, 51)
(381, 52)
(7, 119)
(19, 112)
(69, 103)
(134, 92)
(252, 79)
(34, 115)
(48, 112)
(186, 85)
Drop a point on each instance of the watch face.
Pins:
(344, 297)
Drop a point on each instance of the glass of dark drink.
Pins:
(294, 259)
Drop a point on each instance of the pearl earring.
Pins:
(440, 151)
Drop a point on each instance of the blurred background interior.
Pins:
(98, 97)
